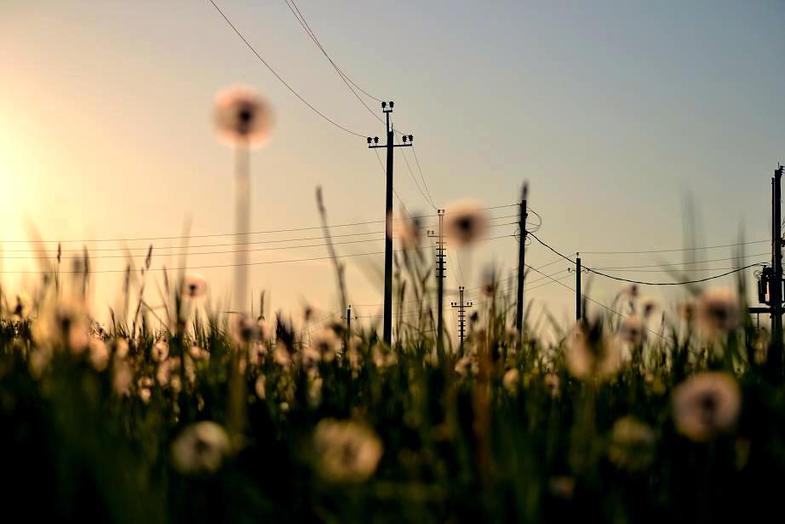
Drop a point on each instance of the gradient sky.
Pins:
(618, 113)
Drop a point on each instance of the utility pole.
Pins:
(578, 294)
(522, 215)
(461, 306)
(440, 267)
(387, 108)
(349, 321)
(775, 351)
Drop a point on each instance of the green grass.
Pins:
(458, 441)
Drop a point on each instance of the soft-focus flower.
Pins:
(383, 359)
(467, 365)
(632, 330)
(194, 286)
(197, 353)
(165, 372)
(160, 350)
(592, 354)
(706, 404)
(121, 347)
(245, 329)
(465, 222)
(281, 355)
(122, 377)
(326, 343)
(98, 354)
(242, 117)
(631, 444)
(552, 384)
(346, 451)
(649, 307)
(718, 311)
(260, 387)
(511, 380)
(145, 394)
(200, 448)
(409, 231)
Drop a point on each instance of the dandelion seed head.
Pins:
(200, 448)
(465, 222)
(631, 444)
(194, 286)
(591, 354)
(346, 451)
(242, 117)
(706, 404)
(409, 231)
(98, 354)
(632, 330)
(260, 387)
(511, 380)
(160, 350)
(718, 311)
(122, 378)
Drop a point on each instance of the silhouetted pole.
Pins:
(349, 321)
(578, 297)
(775, 351)
(387, 108)
(522, 215)
(440, 267)
(461, 306)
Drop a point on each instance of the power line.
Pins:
(422, 176)
(674, 250)
(209, 235)
(425, 196)
(590, 299)
(642, 282)
(346, 80)
(611, 268)
(216, 266)
(127, 253)
(303, 22)
(280, 78)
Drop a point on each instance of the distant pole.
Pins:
(522, 215)
(578, 293)
(349, 321)
(387, 108)
(461, 305)
(440, 267)
(775, 351)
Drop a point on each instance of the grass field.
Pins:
(658, 416)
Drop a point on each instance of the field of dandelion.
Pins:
(211, 418)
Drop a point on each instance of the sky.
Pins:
(626, 118)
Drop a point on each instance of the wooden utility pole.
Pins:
(578, 293)
(775, 350)
(440, 267)
(522, 215)
(387, 108)
(461, 305)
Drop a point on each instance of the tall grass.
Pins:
(618, 422)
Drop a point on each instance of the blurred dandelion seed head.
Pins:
(194, 286)
(200, 448)
(242, 117)
(706, 404)
(718, 311)
(632, 444)
(346, 451)
(591, 354)
(465, 222)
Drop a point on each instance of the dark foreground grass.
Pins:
(98, 424)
